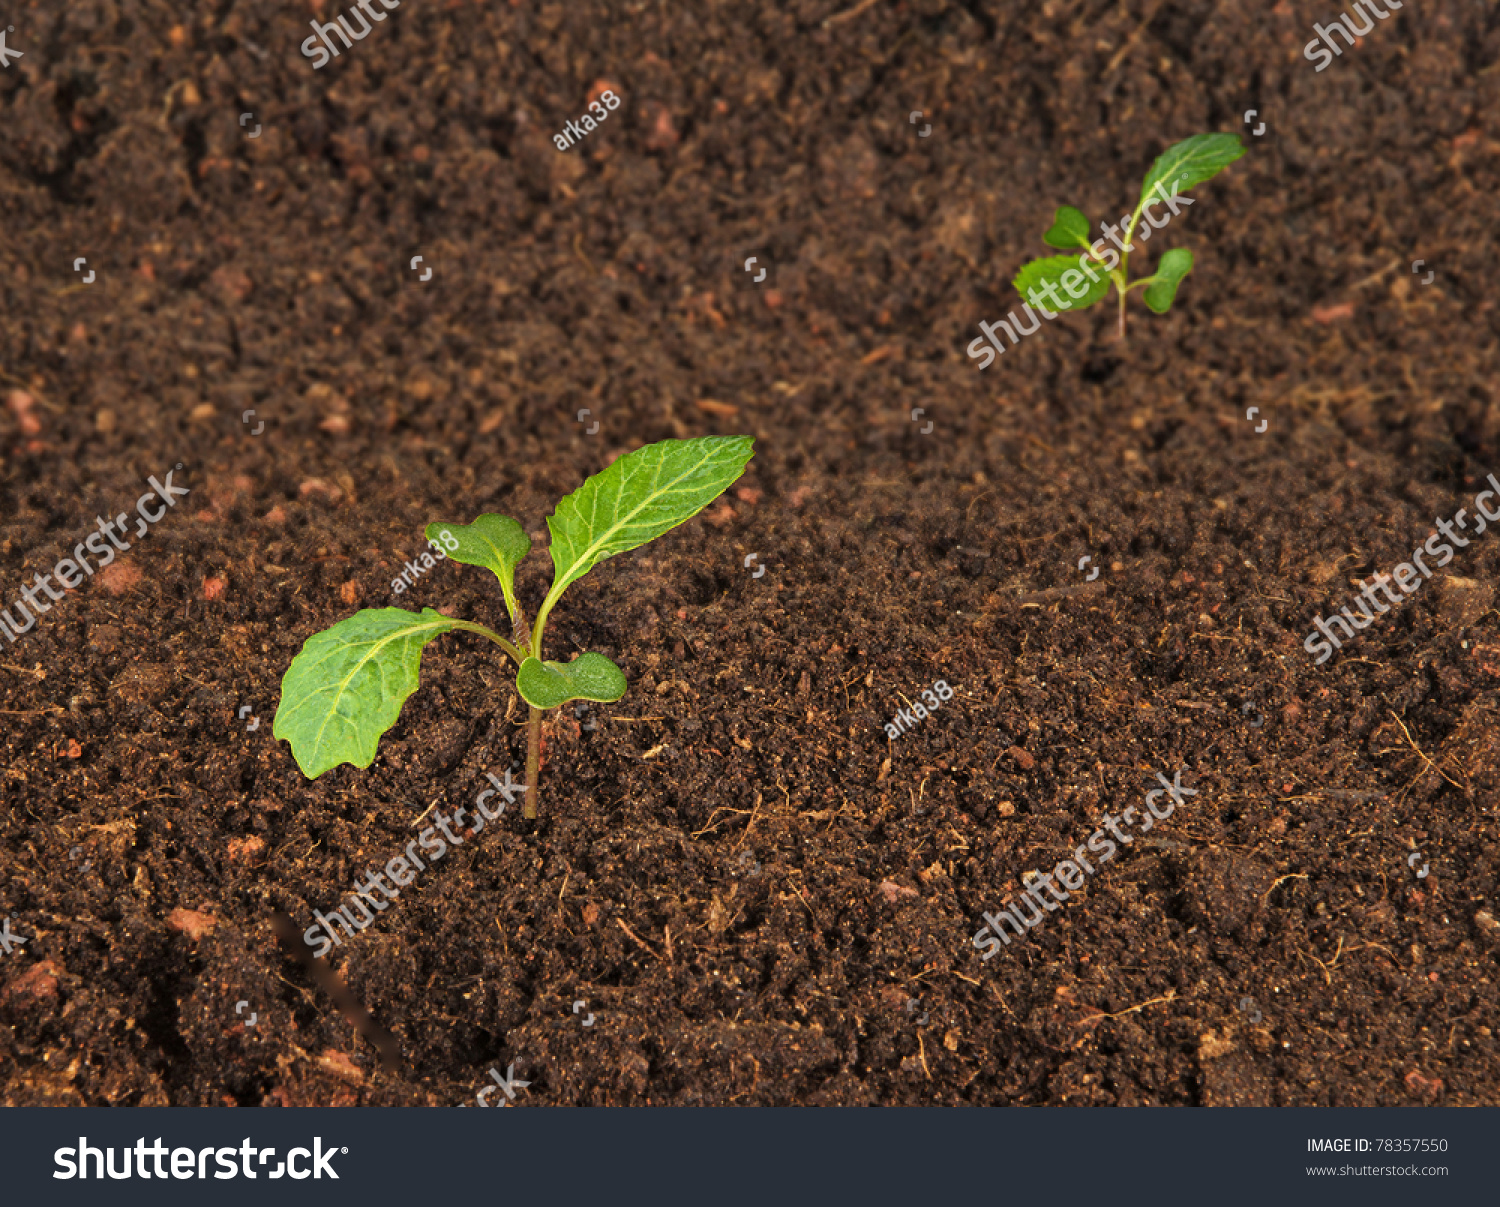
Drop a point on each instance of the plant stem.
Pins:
(533, 762)
(1124, 269)
(1117, 275)
(534, 722)
(534, 725)
(470, 626)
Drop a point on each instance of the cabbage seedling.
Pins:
(347, 685)
(1180, 167)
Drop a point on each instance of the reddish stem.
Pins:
(533, 762)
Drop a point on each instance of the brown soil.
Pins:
(760, 898)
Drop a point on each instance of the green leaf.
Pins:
(1175, 265)
(590, 676)
(1051, 270)
(1191, 162)
(348, 684)
(496, 542)
(1069, 229)
(639, 497)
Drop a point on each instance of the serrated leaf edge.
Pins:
(1057, 219)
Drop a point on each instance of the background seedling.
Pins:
(1178, 169)
(347, 685)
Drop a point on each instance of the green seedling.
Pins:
(1179, 168)
(347, 685)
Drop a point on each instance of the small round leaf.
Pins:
(590, 676)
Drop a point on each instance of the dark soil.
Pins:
(760, 899)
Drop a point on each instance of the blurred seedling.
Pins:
(1179, 168)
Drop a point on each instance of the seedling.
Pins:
(346, 687)
(1180, 167)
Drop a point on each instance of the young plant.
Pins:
(1180, 167)
(347, 685)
